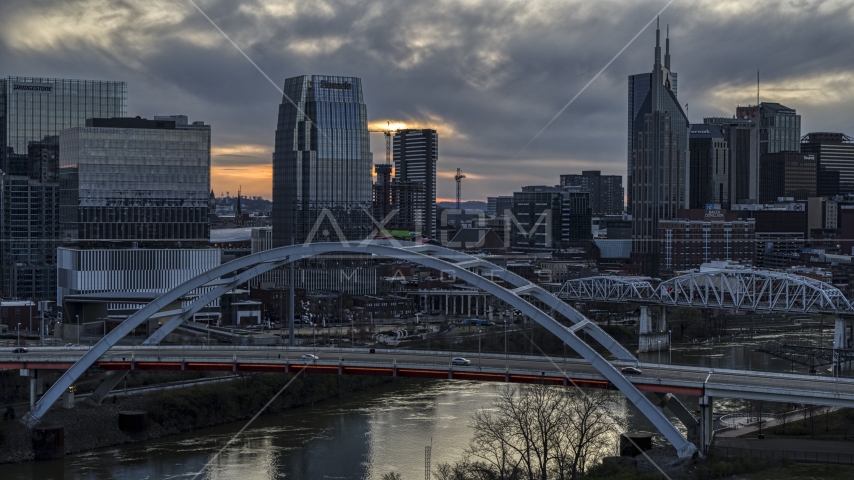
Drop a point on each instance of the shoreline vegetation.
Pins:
(176, 411)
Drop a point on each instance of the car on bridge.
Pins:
(310, 357)
(19, 350)
(460, 361)
(631, 371)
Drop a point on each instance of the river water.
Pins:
(360, 437)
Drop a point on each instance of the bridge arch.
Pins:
(427, 255)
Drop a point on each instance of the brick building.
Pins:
(699, 236)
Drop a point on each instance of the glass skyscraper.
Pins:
(659, 162)
(33, 110)
(322, 162)
(135, 182)
(134, 205)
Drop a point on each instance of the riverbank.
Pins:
(176, 411)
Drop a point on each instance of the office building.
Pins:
(382, 192)
(606, 191)
(130, 270)
(33, 111)
(787, 174)
(742, 138)
(699, 236)
(134, 209)
(261, 239)
(132, 182)
(822, 214)
(659, 166)
(416, 152)
(710, 157)
(781, 230)
(550, 218)
(407, 198)
(754, 131)
(322, 162)
(499, 206)
(834, 155)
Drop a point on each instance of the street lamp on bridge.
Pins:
(479, 332)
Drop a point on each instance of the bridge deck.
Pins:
(685, 380)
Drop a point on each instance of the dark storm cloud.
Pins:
(488, 74)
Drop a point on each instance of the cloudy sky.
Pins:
(488, 74)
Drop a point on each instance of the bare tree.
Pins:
(783, 415)
(809, 412)
(491, 444)
(589, 429)
(826, 410)
(685, 319)
(542, 432)
(757, 407)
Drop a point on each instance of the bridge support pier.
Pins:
(653, 339)
(692, 425)
(843, 333)
(33, 381)
(707, 423)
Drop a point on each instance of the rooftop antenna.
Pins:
(667, 49)
(757, 87)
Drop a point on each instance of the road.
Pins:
(664, 378)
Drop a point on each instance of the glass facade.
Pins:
(416, 153)
(834, 152)
(33, 110)
(143, 186)
(322, 162)
(130, 270)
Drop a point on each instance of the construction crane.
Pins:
(459, 178)
(387, 132)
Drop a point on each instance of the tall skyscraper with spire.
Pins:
(638, 92)
(658, 161)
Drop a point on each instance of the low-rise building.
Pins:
(19, 312)
(386, 306)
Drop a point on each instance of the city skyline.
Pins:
(487, 78)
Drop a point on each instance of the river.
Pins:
(360, 437)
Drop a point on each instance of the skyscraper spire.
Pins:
(667, 49)
(657, 45)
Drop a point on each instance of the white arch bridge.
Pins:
(474, 271)
(738, 289)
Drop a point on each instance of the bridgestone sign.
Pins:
(32, 87)
(336, 86)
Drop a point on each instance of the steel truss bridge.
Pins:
(739, 289)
